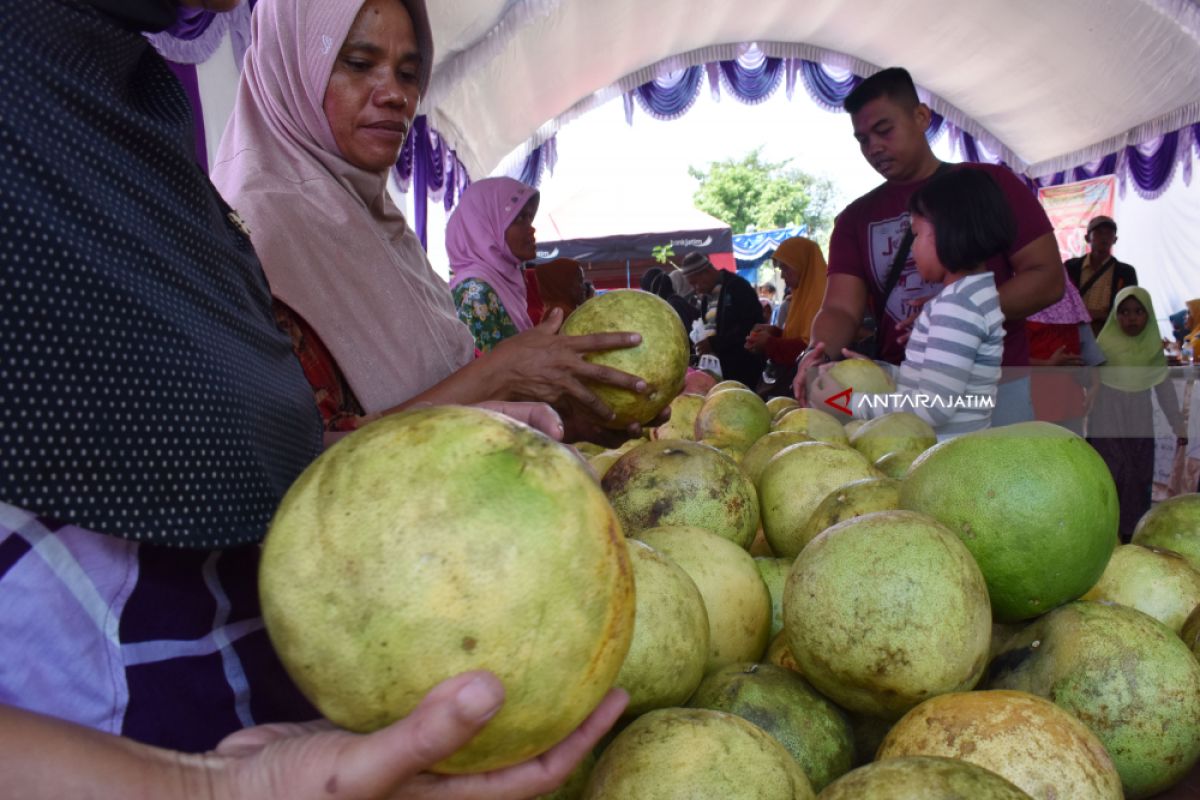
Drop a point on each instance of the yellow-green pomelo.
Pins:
(795, 482)
(1127, 676)
(692, 753)
(815, 424)
(892, 442)
(734, 418)
(601, 461)
(1039, 747)
(682, 424)
(576, 783)
(774, 572)
(886, 610)
(851, 427)
(854, 499)
(723, 385)
(814, 730)
(674, 482)
(1157, 582)
(860, 375)
(922, 778)
(766, 448)
(670, 636)
(1191, 632)
(1033, 502)
(1173, 524)
(442, 540)
(735, 597)
(661, 358)
(781, 405)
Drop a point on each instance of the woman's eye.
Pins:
(357, 64)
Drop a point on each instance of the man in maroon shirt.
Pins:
(889, 124)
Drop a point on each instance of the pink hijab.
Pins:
(335, 248)
(1069, 310)
(476, 246)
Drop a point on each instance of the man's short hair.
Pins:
(971, 217)
(893, 83)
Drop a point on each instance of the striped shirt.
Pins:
(952, 362)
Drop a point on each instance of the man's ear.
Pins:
(1087, 237)
(923, 115)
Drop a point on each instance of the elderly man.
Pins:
(730, 303)
(1098, 275)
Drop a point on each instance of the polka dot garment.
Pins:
(145, 390)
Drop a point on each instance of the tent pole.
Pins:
(628, 279)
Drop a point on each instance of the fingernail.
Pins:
(640, 386)
(479, 699)
(636, 338)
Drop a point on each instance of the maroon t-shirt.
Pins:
(867, 233)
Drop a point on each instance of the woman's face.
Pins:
(924, 250)
(373, 89)
(791, 277)
(1132, 317)
(520, 234)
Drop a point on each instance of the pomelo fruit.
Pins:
(886, 610)
(699, 382)
(600, 462)
(817, 425)
(1173, 524)
(774, 572)
(766, 448)
(854, 499)
(733, 418)
(674, 482)
(1033, 502)
(795, 482)
(661, 358)
(892, 442)
(684, 753)
(860, 375)
(814, 730)
(922, 778)
(682, 424)
(1127, 676)
(735, 597)
(723, 385)
(442, 540)
(851, 427)
(780, 405)
(1157, 582)
(670, 635)
(1034, 744)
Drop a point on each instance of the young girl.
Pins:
(952, 362)
(1121, 424)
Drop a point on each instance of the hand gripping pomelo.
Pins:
(886, 610)
(922, 778)
(1033, 502)
(442, 540)
(660, 359)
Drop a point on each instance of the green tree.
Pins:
(751, 193)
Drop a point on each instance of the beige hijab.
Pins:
(335, 248)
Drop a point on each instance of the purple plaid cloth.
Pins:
(165, 646)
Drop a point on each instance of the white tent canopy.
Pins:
(1046, 85)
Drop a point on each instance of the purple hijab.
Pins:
(1069, 310)
(476, 246)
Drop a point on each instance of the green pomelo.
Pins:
(851, 427)
(892, 442)
(1039, 747)
(1157, 582)
(781, 405)
(660, 359)
(682, 483)
(1033, 502)
(723, 385)
(860, 375)
(684, 753)
(682, 424)
(735, 597)
(443, 540)
(814, 730)
(1127, 676)
(670, 635)
(774, 572)
(1190, 634)
(1173, 524)
(766, 448)
(733, 418)
(817, 425)
(854, 499)
(922, 778)
(795, 482)
(886, 610)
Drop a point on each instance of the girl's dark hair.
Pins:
(971, 218)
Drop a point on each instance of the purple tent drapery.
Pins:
(752, 78)
(432, 170)
(671, 96)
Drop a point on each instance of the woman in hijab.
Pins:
(802, 266)
(560, 285)
(1121, 423)
(153, 417)
(489, 237)
(305, 160)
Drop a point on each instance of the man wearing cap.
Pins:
(1098, 275)
(737, 312)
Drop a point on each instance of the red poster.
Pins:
(1071, 205)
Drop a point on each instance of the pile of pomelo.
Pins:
(797, 607)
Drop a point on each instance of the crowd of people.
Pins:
(179, 350)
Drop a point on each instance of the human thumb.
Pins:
(553, 320)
